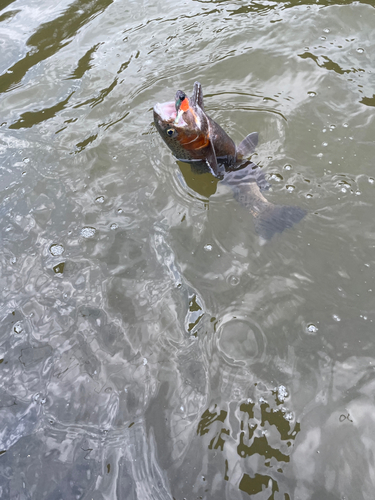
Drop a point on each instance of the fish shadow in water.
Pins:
(247, 181)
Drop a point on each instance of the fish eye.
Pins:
(170, 132)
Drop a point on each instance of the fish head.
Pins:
(184, 127)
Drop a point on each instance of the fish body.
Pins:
(195, 138)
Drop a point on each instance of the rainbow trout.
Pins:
(195, 138)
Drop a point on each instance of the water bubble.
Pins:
(18, 328)
(336, 318)
(26, 160)
(326, 30)
(324, 144)
(371, 180)
(311, 328)
(332, 127)
(99, 199)
(276, 177)
(288, 167)
(114, 226)
(311, 94)
(119, 210)
(88, 232)
(144, 361)
(309, 195)
(56, 249)
(233, 280)
(208, 247)
(346, 125)
(290, 188)
(282, 393)
(360, 50)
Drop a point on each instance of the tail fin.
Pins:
(272, 219)
(248, 145)
(269, 219)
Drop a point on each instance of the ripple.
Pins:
(240, 339)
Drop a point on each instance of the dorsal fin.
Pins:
(197, 97)
(247, 146)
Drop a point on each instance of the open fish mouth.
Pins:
(165, 111)
(165, 114)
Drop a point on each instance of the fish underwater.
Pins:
(195, 138)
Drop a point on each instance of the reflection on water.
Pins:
(48, 39)
(151, 345)
(258, 427)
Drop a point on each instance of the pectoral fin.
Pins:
(248, 145)
(211, 160)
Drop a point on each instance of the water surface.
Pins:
(152, 346)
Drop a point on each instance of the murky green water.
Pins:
(151, 345)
